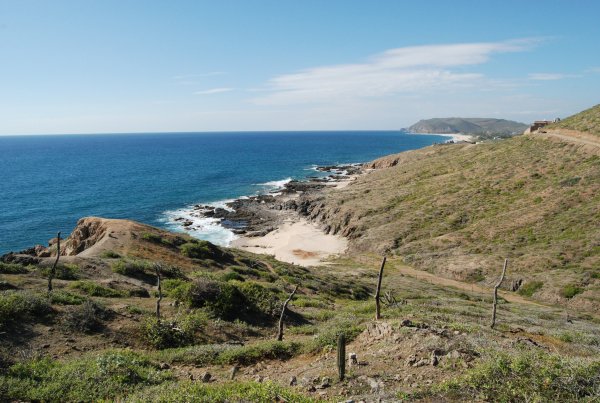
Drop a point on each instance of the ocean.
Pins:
(48, 182)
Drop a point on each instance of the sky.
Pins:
(107, 66)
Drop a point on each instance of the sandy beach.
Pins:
(297, 240)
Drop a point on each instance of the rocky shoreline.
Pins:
(256, 216)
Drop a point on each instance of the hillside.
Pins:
(215, 340)
(458, 210)
(586, 121)
(480, 127)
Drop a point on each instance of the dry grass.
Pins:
(460, 210)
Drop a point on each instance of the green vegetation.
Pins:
(180, 332)
(96, 290)
(109, 254)
(22, 306)
(228, 392)
(12, 268)
(585, 121)
(570, 290)
(481, 127)
(132, 268)
(530, 288)
(63, 272)
(197, 250)
(62, 297)
(531, 377)
(147, 236)
(469, 207)
(86, 317)
(108, 375)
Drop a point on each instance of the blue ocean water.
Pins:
(48, 182)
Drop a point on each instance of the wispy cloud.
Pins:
(395, 71)
(214, 91)
(593, 70)
(550, 76)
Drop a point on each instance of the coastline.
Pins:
(273, 223)
(297, 240)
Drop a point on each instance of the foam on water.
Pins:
(206, 228)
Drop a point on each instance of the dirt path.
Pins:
(572, 136)
(446, 282)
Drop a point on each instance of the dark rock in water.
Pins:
(238, 231)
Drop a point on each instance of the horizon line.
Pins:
(401, 130)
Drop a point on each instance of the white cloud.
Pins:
(550, 76)
(213, 91)
(395, 71)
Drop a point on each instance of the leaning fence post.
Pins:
(496, 294)
(377, 307)
(285, 304)
(157, 268)
(53, 269)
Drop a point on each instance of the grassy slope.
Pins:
(452, 323)
(586, 121)
(459, 210)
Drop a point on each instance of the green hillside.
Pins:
(458, 210)
(586, 121)
(480, 127)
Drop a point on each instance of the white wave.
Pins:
(206, 228)
(276, 184)
(222, 204)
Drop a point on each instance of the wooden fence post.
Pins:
(377, 307)
(496, 294)
(285, 304)
(341, 356)
(157, 268)
(53, 269)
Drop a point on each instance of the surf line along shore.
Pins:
(273, 224)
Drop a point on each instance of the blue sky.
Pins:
(136, 66)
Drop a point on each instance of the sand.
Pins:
(295, 241)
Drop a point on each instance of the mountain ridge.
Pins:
(481, 127)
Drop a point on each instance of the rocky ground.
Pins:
(258, 215)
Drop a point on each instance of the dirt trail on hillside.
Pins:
(432, 278)
(573, 136)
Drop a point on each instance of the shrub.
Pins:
(162, 334)
(570, 290)
(530, 288)
(237, 391)
(532, 377)
(268, 350)
(222, 299)
(86, 317)
(154, 238)
(232, 275)
(63, 272)
(176, 289)
(197, 250)
(171, 272)
(106, 376)
(131, 268)
(96, 290)
(62, 297)
(12, 268)
(18, 306)
(259, 299)
(109, 254)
